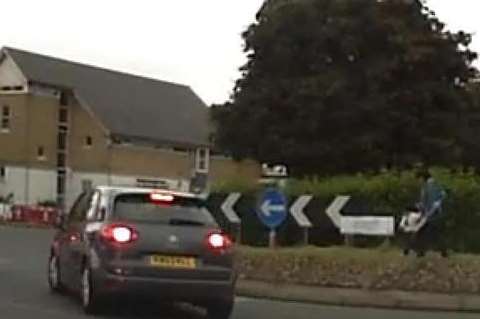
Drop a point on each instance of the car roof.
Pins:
(143, 190)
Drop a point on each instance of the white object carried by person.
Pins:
(412, 222)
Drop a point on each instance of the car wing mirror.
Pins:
(60, 222)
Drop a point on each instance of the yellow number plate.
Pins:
(173, 262)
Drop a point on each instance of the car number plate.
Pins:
(173, 262)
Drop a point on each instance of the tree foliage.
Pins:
(345, 86)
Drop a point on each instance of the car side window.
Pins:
(74, 211)
(92, 212)
(79, 209)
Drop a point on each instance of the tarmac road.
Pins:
(24, 293)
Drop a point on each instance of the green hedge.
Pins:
(391, 192)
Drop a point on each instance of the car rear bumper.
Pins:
(163, 288)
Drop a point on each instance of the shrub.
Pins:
(388, 193)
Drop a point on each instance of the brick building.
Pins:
(65, 125)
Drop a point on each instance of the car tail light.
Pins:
(218, 242)
(162, 198)
(121, 234)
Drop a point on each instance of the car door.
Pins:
(70, 238)
(77, 247)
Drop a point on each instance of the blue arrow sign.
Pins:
(272, 208)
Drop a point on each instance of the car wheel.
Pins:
(91, 302)
(54, 275)
(220, 310)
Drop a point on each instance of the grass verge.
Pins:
(371, 269)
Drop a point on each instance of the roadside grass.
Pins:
(372, 269)
(367, 255)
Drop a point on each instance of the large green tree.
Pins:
(338, 86)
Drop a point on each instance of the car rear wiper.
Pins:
(185, 222)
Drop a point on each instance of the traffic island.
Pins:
(361, 277)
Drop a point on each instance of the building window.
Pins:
(180, 150)
(61, 160)
(3, 173)
(202, 160)
(62, 141)
(88, 141)
(61, 184)
(41, 153)
(152, 183)
(63, 98)
(63, 115)
(6, 114)
(12, 88)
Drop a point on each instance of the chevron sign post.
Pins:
(297, 211)
(231, 215)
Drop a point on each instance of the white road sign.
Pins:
(227, 208)
(297, 211)
(368, 226)
(333, 211)
(359, 225)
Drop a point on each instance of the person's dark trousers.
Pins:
(432, 237)
(410, 243)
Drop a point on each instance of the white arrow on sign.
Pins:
(297, 211)
(359, 225)
(333, 211)
(227, 208)
(368, 226)
(267, 208)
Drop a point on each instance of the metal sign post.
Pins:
(297, 211)
(272, 239)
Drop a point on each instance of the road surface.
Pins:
(24, 293)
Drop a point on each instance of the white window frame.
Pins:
(206, 160)
(8, 118)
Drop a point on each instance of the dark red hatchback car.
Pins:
(143, 243)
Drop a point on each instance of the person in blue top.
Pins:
(432, 234)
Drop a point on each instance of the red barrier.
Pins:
(34, 215)
(18, 214)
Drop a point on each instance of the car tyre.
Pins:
(91, 301)
(54, 281)
(220, 310)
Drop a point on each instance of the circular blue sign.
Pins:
(272, 208)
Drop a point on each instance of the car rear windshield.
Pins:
(181, 211)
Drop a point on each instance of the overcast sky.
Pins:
(194, 42)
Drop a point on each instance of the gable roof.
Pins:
(127, 105)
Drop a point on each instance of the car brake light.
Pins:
(120, 234)
(161, 198)
(217, 241)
